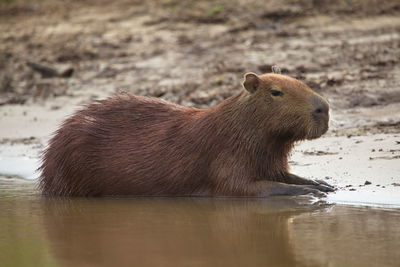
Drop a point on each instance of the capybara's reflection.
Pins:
(171, 231)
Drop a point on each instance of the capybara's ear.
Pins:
(251, 82)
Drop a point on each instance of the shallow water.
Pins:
(38, 231)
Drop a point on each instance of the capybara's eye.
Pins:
(276, 93)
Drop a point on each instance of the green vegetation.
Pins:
(5, 2)
(215, 10)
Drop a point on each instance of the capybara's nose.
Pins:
(320, 106)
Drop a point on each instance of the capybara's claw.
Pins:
(324, 188)
(322, 182)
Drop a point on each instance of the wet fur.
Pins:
(134, 145)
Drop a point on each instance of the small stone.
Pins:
(55, 107)
(367, 183)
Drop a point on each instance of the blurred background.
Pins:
(196, 52)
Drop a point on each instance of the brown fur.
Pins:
(133, 145)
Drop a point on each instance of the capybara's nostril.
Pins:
(320, 106)
(321, 111)
(318, 110)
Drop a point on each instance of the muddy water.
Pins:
(37, 231)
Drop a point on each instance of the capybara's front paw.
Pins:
(315, 190)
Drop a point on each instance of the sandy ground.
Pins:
(195, 53)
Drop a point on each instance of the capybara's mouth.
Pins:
(320, 128)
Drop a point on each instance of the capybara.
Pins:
(130, 145)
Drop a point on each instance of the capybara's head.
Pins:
(287, 107)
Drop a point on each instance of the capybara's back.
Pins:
(125, 145)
